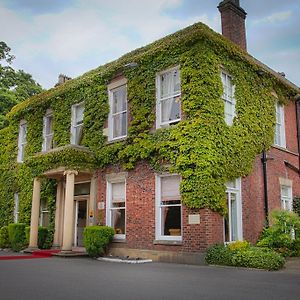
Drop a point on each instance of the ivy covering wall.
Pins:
(201, 148)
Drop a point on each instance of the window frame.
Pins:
(226, 99)
(286, 199)
(159, 123)
(158, 215)
(281, 140)
(22, 141)
(48, 115)
(237, 190)
(111, 89)
(74, 125)
(109, 183)
(43, 210)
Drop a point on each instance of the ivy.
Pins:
(201, 148)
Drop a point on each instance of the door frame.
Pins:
(77, 199)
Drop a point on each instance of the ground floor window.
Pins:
(233, 219)
(286, 197)
(116, 207)
(44, 213)
(16, 208)
(168, 207)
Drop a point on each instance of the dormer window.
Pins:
(168, 97)
(22, 140)
(228, 98)
(47, 131)
(77, 123)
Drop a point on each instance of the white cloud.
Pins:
(276, 17)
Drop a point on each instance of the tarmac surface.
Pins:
(85, 278)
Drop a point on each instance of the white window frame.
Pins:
(47, 137)
(22, 141)
(228, 99)
(286, 201)
(111, 180)
(279, 126)
(43, 210)
(74, 126)
(237, 190)
(158, 221)
(159, 100)
(122, 83)
(16, 207)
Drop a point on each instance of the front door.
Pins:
(80, 224)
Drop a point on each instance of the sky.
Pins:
(49, 37)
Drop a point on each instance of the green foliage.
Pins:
(42, 238)
(96, 239)
(280, 235)
(4, 240)
(201, 148)
(17, 238)
(242, 255)
(296, 205)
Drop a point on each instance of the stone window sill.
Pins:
(167, 242)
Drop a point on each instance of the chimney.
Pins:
(62, 79)
(233, 22)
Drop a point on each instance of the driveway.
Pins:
(84, 278)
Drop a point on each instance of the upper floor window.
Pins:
(117, 121)
(168, 108)
(168, 208)
(286, 197)
(228, 98)
(77, 123)
(22, 141)
(48, 131)
(279, 138)
(233, 220)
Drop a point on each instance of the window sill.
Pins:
(121, 139)
(167, 242)
(119, 240)
(284, 150)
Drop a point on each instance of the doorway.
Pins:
(80, 221)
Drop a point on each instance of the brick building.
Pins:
(142, 203)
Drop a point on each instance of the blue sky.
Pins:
(75, 36)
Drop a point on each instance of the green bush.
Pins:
(296, 205)
(260, 258)
(4, 240)
(96, 239)
(17, 238)
(27, 234)
(44, 241)
(244, 256)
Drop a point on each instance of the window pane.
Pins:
(78, 134)
(79, 110)
(120, 125)
(82, 189)
(169, 84)
(23, 133)
(170, 188)
(171, 221)
(49, 121)
(170, 109)
(118, 220)
(118, 192)
(233, 214)
(119, 99)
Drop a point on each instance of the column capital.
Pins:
(70, 172)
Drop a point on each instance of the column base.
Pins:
(56, 246)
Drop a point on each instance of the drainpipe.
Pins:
(297, 98)
(266, 202)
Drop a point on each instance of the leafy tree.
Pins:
(15, 85)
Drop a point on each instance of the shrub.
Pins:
(43, 237)
(238, 245)
(96, 239)
(4, 240)
(296, 205)
(17, 238)
(218, 255)
(260, 258)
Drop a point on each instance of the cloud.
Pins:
(274, 18)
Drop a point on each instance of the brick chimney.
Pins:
(233, 22)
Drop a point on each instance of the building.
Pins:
(172, 145)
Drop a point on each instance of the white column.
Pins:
(69, 211)
(59, 194)
(35, 213)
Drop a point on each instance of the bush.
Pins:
(43, 237)
(296, 205)
(17, 238)
(258, 258)
(4, 240)
(96, 239)
(243, 255)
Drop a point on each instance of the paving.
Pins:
(85, 278)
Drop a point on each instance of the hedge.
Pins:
(17, 238)
(43, 237)
(4, 240)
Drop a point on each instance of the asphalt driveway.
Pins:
(84, 278)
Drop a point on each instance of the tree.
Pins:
(15, 85)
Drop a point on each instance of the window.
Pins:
(44, 213)
(279, 138)
(228, 98)
(168, 208)
(286, 197)
(48, 131)
(116, 208)
(168, 97)
(233, 220)
(22, 141)
(118, 112)
(16, 208)
(77, 123)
